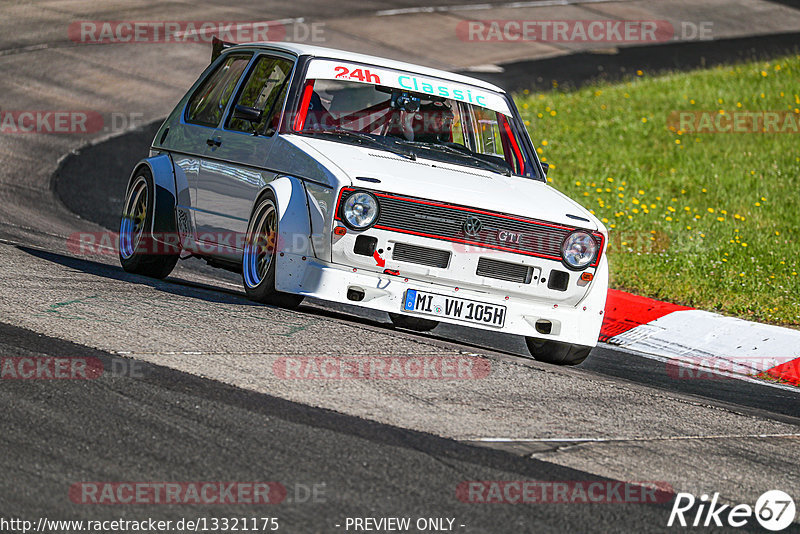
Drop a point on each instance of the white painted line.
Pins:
(478, 7)
(614, 440)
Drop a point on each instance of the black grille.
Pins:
(503, 270)
(444, 221)
(422, 255)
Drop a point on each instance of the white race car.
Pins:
(361, 180)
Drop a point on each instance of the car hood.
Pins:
(445, 182)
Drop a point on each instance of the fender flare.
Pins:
(164, 227)
(294, 250)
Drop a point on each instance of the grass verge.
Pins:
(710, 220)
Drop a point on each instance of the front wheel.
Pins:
(258, 262)
(556, 352)
(139, 253)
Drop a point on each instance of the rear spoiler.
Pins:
(217, 47)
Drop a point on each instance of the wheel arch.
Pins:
(294, 248)
(163, 227)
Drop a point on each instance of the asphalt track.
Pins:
(203, 403)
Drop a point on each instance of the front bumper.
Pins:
(578, 324)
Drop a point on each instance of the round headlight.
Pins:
(579, 250)
(360, 210)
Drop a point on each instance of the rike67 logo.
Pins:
(774, 510)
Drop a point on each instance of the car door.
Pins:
(233, 173)
(190, 134)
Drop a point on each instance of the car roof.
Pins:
(332, 53)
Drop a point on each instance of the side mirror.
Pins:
(251, 115)
(545, 167)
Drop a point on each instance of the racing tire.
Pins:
(139, 253)
(556, 352)
(258, 261)
(416, 324)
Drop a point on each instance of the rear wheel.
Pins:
(139, 253)
(556, 352)
(417, 324)
(258, 263)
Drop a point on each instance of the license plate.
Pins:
(471, 311)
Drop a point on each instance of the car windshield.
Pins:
(411, 117)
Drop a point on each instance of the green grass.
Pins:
(707, 220)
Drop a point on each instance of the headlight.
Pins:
(579, 250)
(360, 210)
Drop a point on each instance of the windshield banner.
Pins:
(354, 72)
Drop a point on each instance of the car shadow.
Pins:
(171, 285)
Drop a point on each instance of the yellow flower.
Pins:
(644, 119)
(553, 113)
(639, 73)
(669, 218)
(578, 183)
(705, 190)
(691, 102)
(744, 244)
(544, 142)
(758, 203)
(777, 233)
(720, 219)
(710, 210)
(764, 73)
(688, 227)
(641, 192)
(677, 141)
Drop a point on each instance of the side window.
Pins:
(263, 91)
(208, 102)
(489, 139)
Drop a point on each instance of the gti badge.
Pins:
(505, 236)
(472, 226)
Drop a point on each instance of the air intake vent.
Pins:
(503, 270)
(421, 255)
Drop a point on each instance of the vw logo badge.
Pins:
(472, 226)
